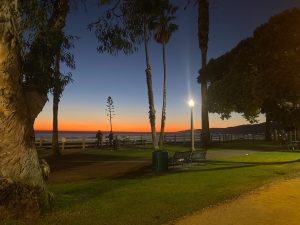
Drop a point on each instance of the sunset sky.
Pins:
(98, 76)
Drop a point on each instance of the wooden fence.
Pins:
(86, 142)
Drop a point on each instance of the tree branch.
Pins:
(35, 101)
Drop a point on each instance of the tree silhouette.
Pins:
(125, 26)
(164, 28)
(110, 109)
(261, 74)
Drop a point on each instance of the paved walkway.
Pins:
(274, 204)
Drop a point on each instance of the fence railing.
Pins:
(85, 142)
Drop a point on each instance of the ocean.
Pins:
(89, 134)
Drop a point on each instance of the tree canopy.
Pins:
(40, 39)
(261, 74)
(121, 27)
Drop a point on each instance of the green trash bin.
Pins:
(160, 161)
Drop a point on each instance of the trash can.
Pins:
(160, 161)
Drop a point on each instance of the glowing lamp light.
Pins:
(191, 103)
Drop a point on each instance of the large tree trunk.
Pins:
(19, 106)
(203, 29)
(163, 113)
(56, 98)
(150, 90)
(22, 188)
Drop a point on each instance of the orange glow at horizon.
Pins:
(128, 126)
(125, 127)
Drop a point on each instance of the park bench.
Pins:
(181, 158)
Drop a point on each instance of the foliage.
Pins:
(163, 25)
(261, 74)
(120, 28)
(39, 41)
(65, 56)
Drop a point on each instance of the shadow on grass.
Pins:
(248, 145)
(228, 165)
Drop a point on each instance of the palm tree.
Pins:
(148, 10)
(163, 31)
(125, 32)
(203, 30)
(150, 88)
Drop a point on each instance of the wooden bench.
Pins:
(180, 158)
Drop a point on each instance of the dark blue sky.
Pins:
(98, 76)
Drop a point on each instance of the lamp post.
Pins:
(192, 104)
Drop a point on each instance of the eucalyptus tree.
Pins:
(28, 44)
(125, 26)
(60, 81)
(203, 31)
(164, 28)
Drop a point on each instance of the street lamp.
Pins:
(192, 104)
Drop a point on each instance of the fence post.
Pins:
(83, 142)
(183, 138)
(63, 140)
(174, 138)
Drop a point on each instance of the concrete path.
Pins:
(274, 204)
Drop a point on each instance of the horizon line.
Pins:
(50, 130)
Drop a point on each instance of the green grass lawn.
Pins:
(158, 198)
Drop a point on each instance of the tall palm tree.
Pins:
(164, 28)
(125, 32)
(148, 10)
(203, 30)
(149, 85)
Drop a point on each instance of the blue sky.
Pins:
(98, 76)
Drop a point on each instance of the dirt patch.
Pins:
(82, 166)
(103, 170)
(274, 204)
